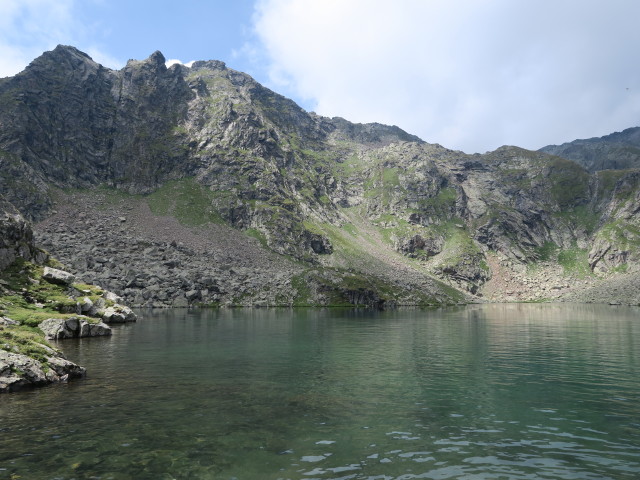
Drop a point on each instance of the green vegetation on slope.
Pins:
(186, 200)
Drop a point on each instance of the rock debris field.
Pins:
(154, 261)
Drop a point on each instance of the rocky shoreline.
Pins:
(39, 303)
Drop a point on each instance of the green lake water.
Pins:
(479, 392)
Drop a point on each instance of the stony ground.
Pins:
(155, 261)
(549, 282)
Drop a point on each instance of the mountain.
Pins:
(617, 151)
(198, 186)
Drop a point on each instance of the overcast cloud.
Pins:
(468, 74)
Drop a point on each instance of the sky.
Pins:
(471, 75)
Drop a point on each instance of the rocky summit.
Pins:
(188, 186)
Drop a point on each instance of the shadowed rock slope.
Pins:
(617, 151)
(183, 186)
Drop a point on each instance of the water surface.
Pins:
(478, 392)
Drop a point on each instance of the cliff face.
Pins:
(353, 213)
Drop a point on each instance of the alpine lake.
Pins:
(510, 391)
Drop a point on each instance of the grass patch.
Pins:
(580, 216)
(546, 252)
(34, 300)
(569, 183)
(607, 180)
(258, 235)
(459, 245)
(26, 277)
(575, 261)
(623, 234)
(188, 201)
(25, 341)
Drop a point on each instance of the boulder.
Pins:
(8, 321)
(85, 305)
(98, 329)
(73, 327)
(193, 295)
(118, 314)
(113, 297)
(60, 277)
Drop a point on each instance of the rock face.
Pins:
(215, 190)
(16, 237)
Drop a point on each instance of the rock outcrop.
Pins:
(16, 237)
(18, 371)
(55, 275)
(73, 327)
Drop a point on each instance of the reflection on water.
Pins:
(482, 392)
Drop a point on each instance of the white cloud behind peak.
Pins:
(469, 74)
(30, 27)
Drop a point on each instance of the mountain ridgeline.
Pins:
(198, 186)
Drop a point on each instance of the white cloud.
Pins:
(469, 74)
(175, 61)
(30, 27)
(27, 28)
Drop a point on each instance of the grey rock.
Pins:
(117, 314)
(16, 237)
(74, 327)
(193, 295)
(99, 329)
(55, 275)
(7, 321)
(19, 371)
(85, 305)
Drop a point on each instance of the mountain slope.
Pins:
(199, 186)
(617, 151)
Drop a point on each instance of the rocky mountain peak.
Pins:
(155, 63)
(208, 64)
(62, 61)
(66, 52)
(157, 57)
